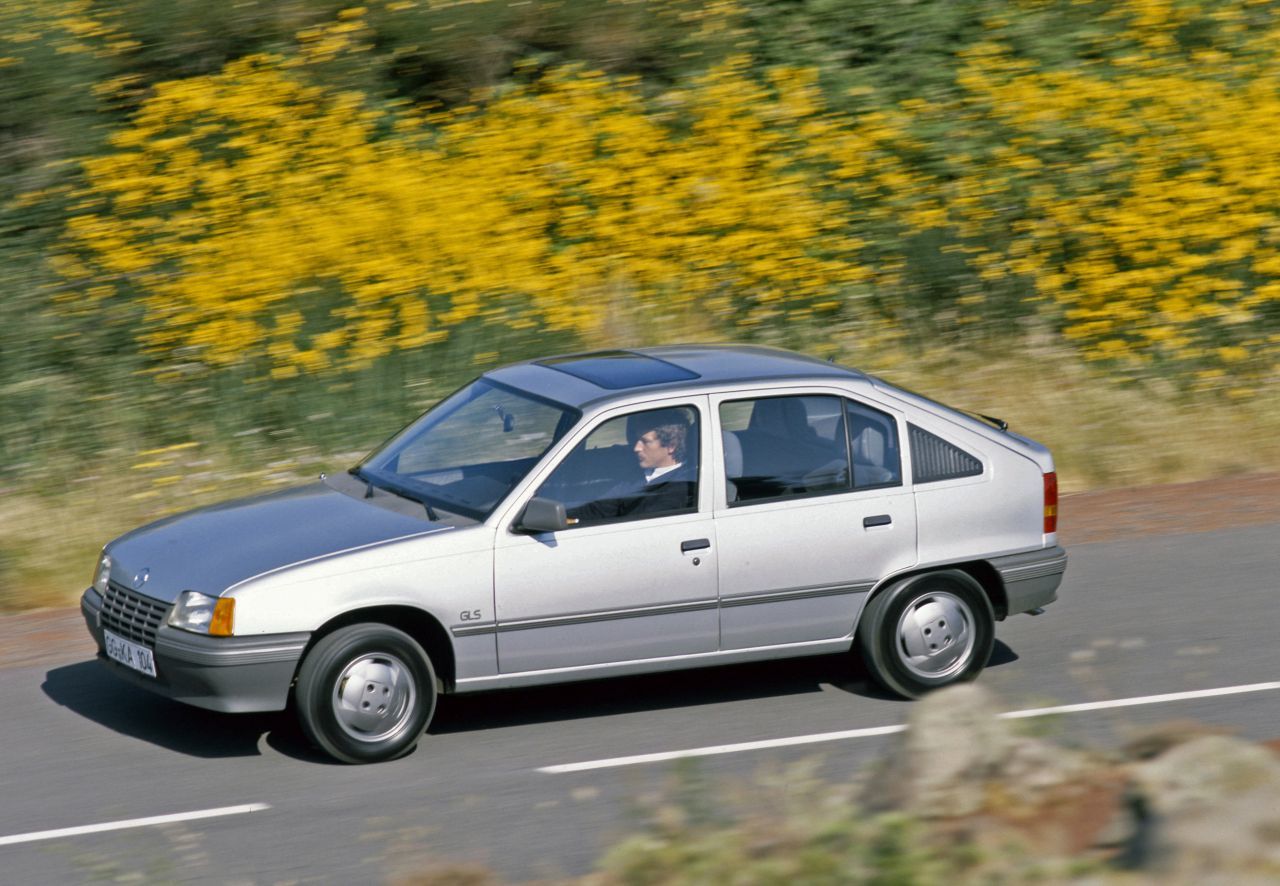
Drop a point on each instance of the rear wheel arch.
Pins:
(989, 579)
(986, 575)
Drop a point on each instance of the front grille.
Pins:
(132, 615)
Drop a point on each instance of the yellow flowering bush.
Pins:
(1144, 187)
(255, 214)
(65, 27)
(1128, 197)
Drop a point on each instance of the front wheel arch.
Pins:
(419, 624)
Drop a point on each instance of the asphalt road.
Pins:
(1136, 618)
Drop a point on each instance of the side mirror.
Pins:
(543, 515)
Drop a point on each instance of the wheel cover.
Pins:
(936, 635)
(375, 697)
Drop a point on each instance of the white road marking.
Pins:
(1139, 700)
(132, 823)
(901, 727)
(721, 749)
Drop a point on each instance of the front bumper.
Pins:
(229, 674)
(1031, 579)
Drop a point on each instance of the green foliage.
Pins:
(835, 842)
(445, 53)
(184, 38)
(902, 48)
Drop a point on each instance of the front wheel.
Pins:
(927, 631)
(365, 693)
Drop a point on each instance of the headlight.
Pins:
(203, 614)
(102, 575)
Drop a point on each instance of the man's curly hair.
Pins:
(673, 436)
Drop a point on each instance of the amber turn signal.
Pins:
(223, 617)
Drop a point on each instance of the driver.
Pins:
(664, 482)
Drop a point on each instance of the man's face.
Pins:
(652, 454)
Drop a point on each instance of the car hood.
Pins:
(212, 549)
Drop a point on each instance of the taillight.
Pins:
(1050, 502)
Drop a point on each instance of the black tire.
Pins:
(927, 631)
(365, 693)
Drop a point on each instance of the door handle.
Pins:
(878, 520)
(694, 544)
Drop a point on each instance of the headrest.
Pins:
(868, 446)
(732, 454)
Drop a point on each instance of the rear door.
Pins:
(810, 511)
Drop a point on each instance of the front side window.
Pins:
(782, 447)
(640, 465)
(464, 455)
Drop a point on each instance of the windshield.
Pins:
(462, 457)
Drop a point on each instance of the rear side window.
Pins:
(785, 447)
(873, 442)
(934, 459)
(778, 447)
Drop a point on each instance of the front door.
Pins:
(635, 577)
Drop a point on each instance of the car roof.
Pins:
(585, 378)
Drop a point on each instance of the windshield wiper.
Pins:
(369, 486)
(360, 475)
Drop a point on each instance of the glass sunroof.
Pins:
(616, 370)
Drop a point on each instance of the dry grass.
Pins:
(49, 540)
(1104, 432)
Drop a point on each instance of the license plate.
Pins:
(131, 655)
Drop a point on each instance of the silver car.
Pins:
(595, 515)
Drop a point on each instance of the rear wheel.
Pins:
(366, 693)
(927, 631)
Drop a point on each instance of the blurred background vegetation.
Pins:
(242, 242)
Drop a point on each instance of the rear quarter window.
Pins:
(934, 459)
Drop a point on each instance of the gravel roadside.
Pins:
(51, 636)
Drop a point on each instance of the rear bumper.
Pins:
(1031, 579)
(230, 674)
